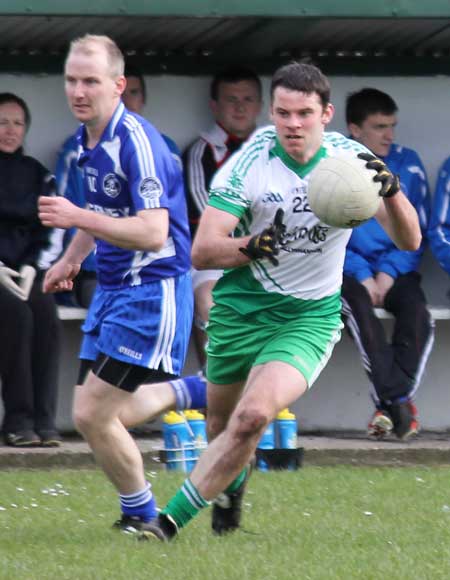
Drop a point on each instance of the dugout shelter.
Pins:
(399, 46)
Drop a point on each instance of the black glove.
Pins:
(267, 243)
(390, 182)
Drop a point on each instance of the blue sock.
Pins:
(141, 504)
(190, 392)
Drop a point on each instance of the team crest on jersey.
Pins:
(111, 185)
(150, 188)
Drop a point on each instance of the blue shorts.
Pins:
(147, 325)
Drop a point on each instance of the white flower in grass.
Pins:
(368, 513)
(20, 489)
(420, 480)
(2, 509)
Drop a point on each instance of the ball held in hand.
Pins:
(342, 191)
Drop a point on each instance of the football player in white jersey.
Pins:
(276, 313)
(139, 321)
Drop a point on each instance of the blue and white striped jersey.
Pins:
(129, 170)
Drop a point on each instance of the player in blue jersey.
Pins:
(139, 320)
(378, 274)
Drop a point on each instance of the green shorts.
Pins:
(304, 339)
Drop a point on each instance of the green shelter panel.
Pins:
(232, 8)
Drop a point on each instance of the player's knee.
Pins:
(83, 419)
(249, 423)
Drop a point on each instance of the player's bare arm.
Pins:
(146, 231)
(60, 276)
(399, 219)
(213, 247)
(396, 215)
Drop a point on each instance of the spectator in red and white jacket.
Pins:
(235, 102)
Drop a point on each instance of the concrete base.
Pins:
(328, 450)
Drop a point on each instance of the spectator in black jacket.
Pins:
(29, 342)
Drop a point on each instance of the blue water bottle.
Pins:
(267, 441)
(286, 431)
(178, 443)
(197, 424)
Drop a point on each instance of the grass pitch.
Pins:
(317, 523)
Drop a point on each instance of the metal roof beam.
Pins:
(344, 65)
(232, 8)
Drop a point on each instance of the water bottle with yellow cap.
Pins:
(286, 430)
(178, 442)
(197, 423)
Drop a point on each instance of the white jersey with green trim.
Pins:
(260, 179)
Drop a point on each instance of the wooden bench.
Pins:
(71, 313)
(437, 312)
(338, 402)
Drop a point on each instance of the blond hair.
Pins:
(89, 44)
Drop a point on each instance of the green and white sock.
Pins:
(237, 482)
(185, 504)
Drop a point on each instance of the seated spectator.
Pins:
(29, 332)
(439, 231)
(235, 102)
(135, 97)
(70, 185)
(377, 274)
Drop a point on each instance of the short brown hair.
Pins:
(302, 77)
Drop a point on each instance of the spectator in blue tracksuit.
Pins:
(135, 97)
(439, 231)
(69, 180)
(377, 274)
